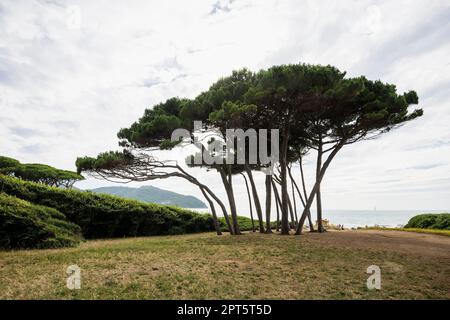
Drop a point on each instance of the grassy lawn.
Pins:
(204, 266)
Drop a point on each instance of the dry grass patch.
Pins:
(252, 266)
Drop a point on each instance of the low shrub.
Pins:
(245, 224)
(107, 216)
(25, 225)
(430, 221)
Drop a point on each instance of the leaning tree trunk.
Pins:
(249, 201)
(320, 227)
(194, 180)
(311, 226)
(268, 202)
(278, 204)
(291, 212)
(222, 206)
(213, 212)
(226, 179)
(255, 198)
(316, 186)
(294, 203)
(278, 217)
(283, 182)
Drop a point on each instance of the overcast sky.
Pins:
(72, 73)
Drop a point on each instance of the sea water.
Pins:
(362, 218)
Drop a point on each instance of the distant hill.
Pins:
(154, 195)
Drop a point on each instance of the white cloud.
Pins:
(68, 83)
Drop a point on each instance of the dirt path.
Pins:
(399, 241)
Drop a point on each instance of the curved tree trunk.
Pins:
(195, 181)
(291, 212)
(277, 203)
(317, 184)
(294, 204)
(222, 206)
(213, 211)
(311, 226)
(226, 179)
(283, 181)
(300, 163)
(249, 201)
(142, 170)
(268, 202)
(255, 198)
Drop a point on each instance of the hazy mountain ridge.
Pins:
(154, 195)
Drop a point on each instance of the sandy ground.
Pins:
(419, 244)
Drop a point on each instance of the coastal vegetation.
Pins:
(26, 225)
(430, 221)
(34, 215)
(104, 216)
(317, 109)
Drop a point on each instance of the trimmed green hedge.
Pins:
(430, 221)
(25, 225)
(107, 216)
(245, 224)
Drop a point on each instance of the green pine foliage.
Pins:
(7, 165)
(38, 173)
